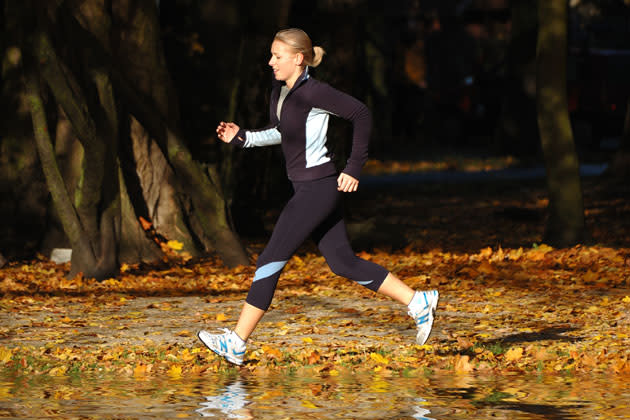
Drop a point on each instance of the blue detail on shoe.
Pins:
(422, 319)
(423, 313)
(269, 269)
(223, 344)
(363, 283)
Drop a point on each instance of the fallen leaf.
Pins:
(379, 358)
(175, 245)
(514, 354)
(462, 364)
(175, 371)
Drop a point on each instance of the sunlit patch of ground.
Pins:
(508, 303)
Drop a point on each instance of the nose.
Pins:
(271, 61)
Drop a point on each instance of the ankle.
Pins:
(239, 337)
(416, 301)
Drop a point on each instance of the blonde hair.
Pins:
(301, 43)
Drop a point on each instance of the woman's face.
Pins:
(285, 63)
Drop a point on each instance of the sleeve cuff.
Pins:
(353, 170)
(239, 138)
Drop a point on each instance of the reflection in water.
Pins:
(234, 402)
(307, 396)
(421, 411)
(231, 403)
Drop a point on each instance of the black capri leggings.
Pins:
(315, 210)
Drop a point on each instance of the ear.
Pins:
(299, 59)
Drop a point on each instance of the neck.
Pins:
(291, 81)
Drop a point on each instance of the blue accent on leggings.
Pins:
(269, 269)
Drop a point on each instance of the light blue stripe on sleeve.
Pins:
(269, 269)
(267, 137)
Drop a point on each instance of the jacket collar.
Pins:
(303, 77)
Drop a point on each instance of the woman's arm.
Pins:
(349, 108)
(233, 134)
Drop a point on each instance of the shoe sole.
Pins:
(221, 353)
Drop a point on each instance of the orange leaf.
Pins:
(146, 225)
(462, 364)
(273, 352)
(313, 358)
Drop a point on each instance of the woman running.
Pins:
(300, 107)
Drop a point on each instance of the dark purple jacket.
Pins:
(303, 126)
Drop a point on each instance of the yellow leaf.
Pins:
(58, 371)
(333, 372)
(140, 370)
(425, 347)
(124, 267)
(626, 299)
(308, 404)
(378, 358)
(222, 317)
(175, 371)
(183, 333)
(5, 355)
(308, 340)
(514, 354)
(175, 245)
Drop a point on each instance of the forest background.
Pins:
(117, 102)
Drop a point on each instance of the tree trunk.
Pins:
(620, 165)
(156, 179)
(517, 130)
(565, 226)
(377, 56)
(67, 213)
(139, 49)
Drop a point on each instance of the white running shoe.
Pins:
(423, 314)
(228, 345)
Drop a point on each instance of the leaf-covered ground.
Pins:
(508, 302)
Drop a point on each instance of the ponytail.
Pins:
(318, 55)
(301, 43)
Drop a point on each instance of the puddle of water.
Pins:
(245, 396)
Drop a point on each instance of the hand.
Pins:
(346, 183)
(227, 131)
